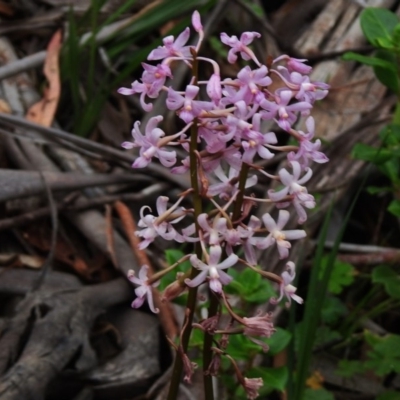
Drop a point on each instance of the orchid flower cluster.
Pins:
(223, 137)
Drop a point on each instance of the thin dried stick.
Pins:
(110, 236)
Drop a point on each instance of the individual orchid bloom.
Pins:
(143, 89)
(237, 127)
(232, 237)
(144, 289)
(216, 141)
(278, 235)
(172, 48)
(259, 325)
(303, 88)
(151, 144)
(308, 150)
(286, 288)
(309, 91)
(153, 79)
(155, 76)
(293, 186)
(213, 271)
(285, 115)
(214, 89)
(188, 108)
(250, 83)
(240, 46)
(196, 21)
(256, 142)
(294, 64)
(229, 184)
(153, 226)
(211, 233)
(252, 386)
(174, 289)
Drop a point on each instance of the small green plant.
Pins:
(250, 292)
(382, 358)
(381, 27)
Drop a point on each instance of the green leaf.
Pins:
(394, 207)
(262, 294)
(325, 335)
(391, 169)
(332, 310)
(377, 189)
(378, 23)
(390, 135)
(385, 43)
(388, 77)
(384, 357)
(342, 275)
(371, 61)
(364, 152)
(389, 278)
(318, 394)
(197, 338)
(274, 378)
(348, 368)
(278, 341)
(250, 286)
(172, 256)
(396, 36)
(250, 280)
(242, 348)
(388, 395)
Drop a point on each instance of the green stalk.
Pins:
(192, 296)
(207, 352)
(396, 116)
(237, 209)
(214, 302)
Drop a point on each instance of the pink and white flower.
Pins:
(172, 48)
(294, 186)
(144, 290)
(278, 235)
(151, 144)
(213, 270)
(308, 150)
(240, 46)
(153, 226)
(286, 288)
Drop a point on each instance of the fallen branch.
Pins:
(55, 326)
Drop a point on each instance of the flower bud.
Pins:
(196, 22)
(175, 289)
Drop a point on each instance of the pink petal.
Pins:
(198, 280)
(228, 262)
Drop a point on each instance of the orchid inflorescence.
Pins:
(222, 137)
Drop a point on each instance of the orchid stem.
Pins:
(192, 296)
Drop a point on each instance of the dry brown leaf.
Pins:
(4, 107)
(21, 260)
(44, 110)
(5, 9)
(38, 236)
(315, 381)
